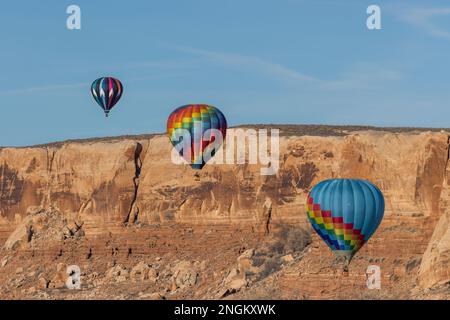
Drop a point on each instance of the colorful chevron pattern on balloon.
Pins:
(106, 91)
(336, 234)
(345, 213)
(197, 119)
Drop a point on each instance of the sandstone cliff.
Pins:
(108, 186)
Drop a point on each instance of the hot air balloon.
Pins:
(345, 213)
(200, 128)
(106, 92)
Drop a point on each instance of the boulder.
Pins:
(4, 262)
(117, 274)
(184, 275)
(151, 296)
(237, 284)
(43, 283)
(287, 258)
(140, 272)
(152, 275)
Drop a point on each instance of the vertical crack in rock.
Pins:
(267, 207)
(50, 160)
(269, 218)
(133, 212)
(448, 156)
(4, 183)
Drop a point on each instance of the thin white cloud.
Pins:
(42, 88)
(161, 64)
(364, 75)
(360, 75)
(424, 18)
(357, 75)
(53, 87)
(242, 61)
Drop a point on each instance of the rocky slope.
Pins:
(131, 219)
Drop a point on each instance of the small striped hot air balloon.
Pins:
(345, 213)
(203, 123)
(107, 91)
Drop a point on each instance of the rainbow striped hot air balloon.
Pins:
(345, 213)
(106, 91)
(203, 123)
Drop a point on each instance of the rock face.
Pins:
(97, 186)
(106, 185)
(435, 268)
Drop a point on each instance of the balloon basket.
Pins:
(342, 261)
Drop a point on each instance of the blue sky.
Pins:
(259, 61)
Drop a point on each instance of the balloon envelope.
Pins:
(345, 213)
(106, 91)
(197, 119)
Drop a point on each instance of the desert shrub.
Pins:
(260, 252)
(270, 266)
(291, 239)
(297, 240)
(277, 247)
(169, 216)
(258, 261)
(286, 239)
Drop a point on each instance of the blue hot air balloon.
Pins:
(345, 213)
